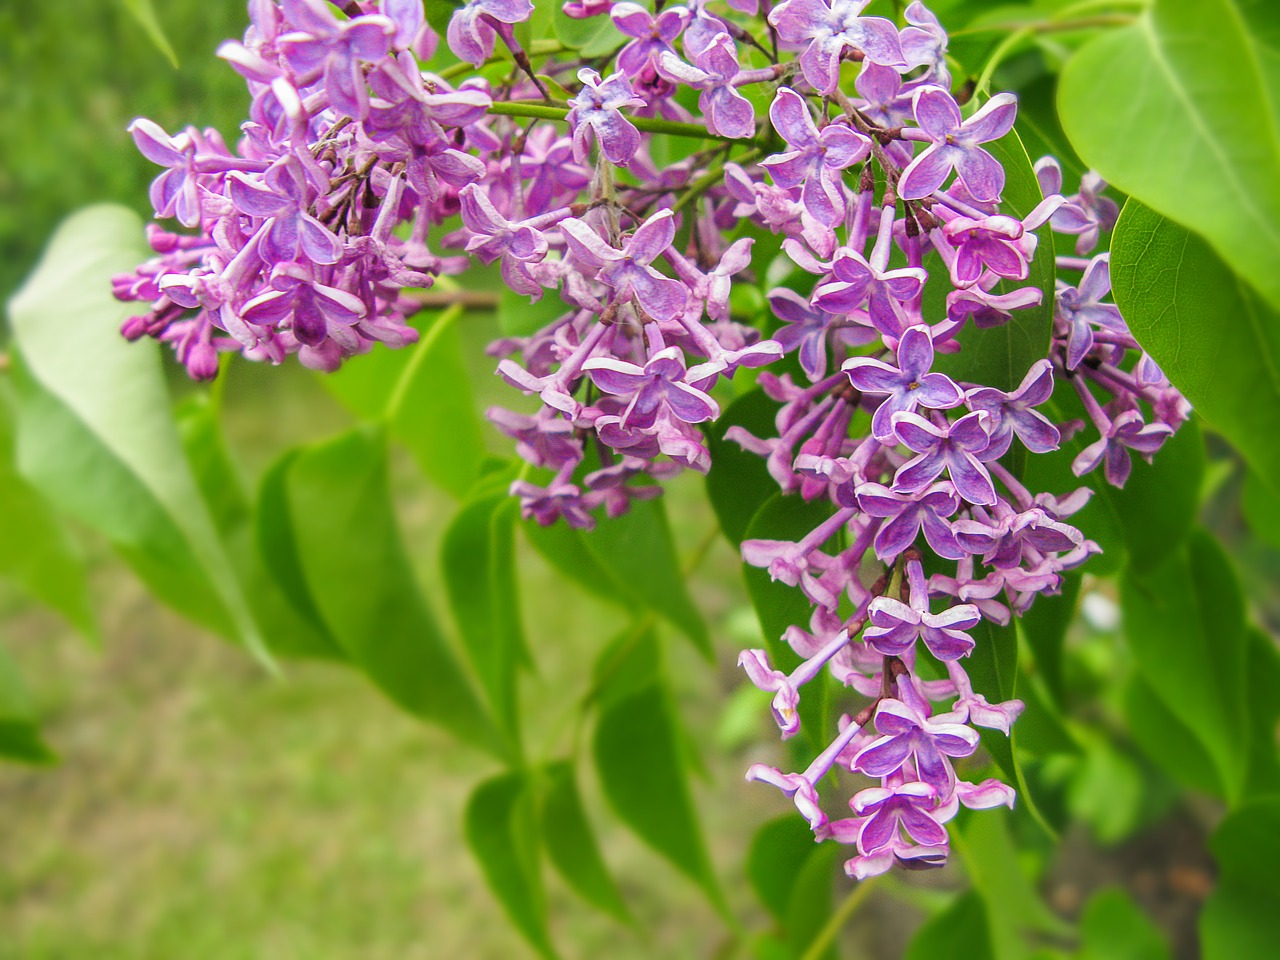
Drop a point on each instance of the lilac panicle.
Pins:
(365, 171)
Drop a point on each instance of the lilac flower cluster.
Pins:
(359, 178)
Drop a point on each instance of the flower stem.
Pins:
(837, 921)
(555, 111)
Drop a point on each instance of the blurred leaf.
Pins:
(565, 548)
(570, 842)
(1188, 127)
(1262, 677)
(812, 901)
(1114, 928)
(1261, 509)
(439, 13)
(779, 850)
(1185, 625)
(1001, 356)
(960, 932)
(639, 553)
(145, 14)
(96, 433)
(211, 465)
(1014, 908)
(502, 833)
(1215, 339)
(1167, 740)
(738, 483)
(644, 776)
(1240, 919)
(424, 393)
(35, 548)
(627, 664)
(518, 317)
(357, 573)
(478, 562)
(19, 733)
(1106, 792)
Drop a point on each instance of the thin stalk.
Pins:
(559, 110)
(826, 936)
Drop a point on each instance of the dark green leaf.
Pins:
(478, 561)
(1001, 356)
(19, 732)
(639, 553)
(629, 663)
(1185, 625)
(1261, 509)
(1114, 928)
(96, 433)
(502, 832)
(572, 846)
(359, 577)
(960, 932)
(1045, 626)
(1215, 339)
(644, 776)
(35, 548)
(738, 483)
(1240, 919)
(1179, 110)
(1262, 674)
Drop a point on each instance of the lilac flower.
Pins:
(1086, 213)
(663, 380)
(993, 243)
(517, 244)
(476, 23)
(988, 309)
(546, 505)
(854, 281)
(909, 807)
(953, 448)
(955, 145)
(905, 387)
(1012, 413)
(313, 310)
(815, 157)
(281, 195)
(924, 44)
(323, 45)
(829, 30)
(808, 326)
(974, 708)
(895, 627)
(1127, 432)
(1080, 309)
(595, 111)
(176, 192)
(728, 113)
(786, 700)
(908, 515)
(627, 270)
(653, 35)
(906, 733)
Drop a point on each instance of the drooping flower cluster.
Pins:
(635, 203)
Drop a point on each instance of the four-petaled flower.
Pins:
(627, 270)
(831, 27)
(953, 448)
(905, 387)
(907, 733)
(955, 145)
(595, 111)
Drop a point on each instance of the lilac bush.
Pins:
(634, 189)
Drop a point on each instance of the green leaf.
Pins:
(35, 549)
(1185, 625)
(1262, 676)
(1013, 906)
(478, 562)
(502, 831)
(1114, 928)
(518, 317)
(592, 37)
(96, 434)
(639, 553)
(1240, 919)
(1179, 110)
(960, 932)
(145, 14)
(1045, 627)
(1001, 356)
(1166, 740)
(19, 732)
(779, 850)
(572, 846)
(424, 393)
(361, 581)
(738, 483)
(1262, 509)
(1217, 341)
(643, 772)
